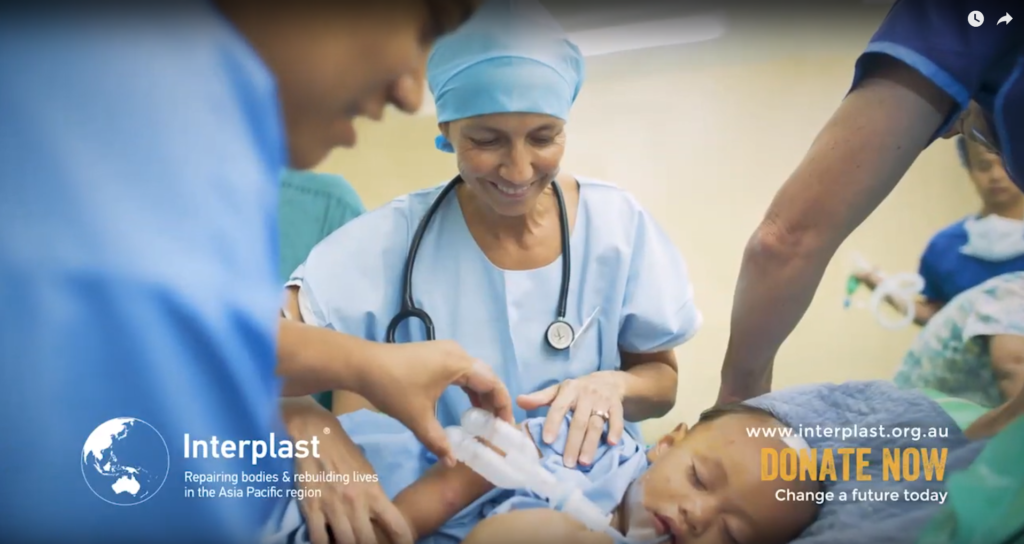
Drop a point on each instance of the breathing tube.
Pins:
(520, 467)
(902, 288)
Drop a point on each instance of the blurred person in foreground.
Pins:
(138, 253)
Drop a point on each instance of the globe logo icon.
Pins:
(125, 461)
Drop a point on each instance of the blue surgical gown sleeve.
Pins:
(333, 279)
(934, 38)
(659, 311)
(138, 194)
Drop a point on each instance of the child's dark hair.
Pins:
(733, 408)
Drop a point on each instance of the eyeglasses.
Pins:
(974, 127)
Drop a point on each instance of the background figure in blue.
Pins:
(142, 154)
(961, 255)
(312, 205)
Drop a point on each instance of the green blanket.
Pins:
(986, 501)
(964, 412)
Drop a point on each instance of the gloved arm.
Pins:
(857, 159)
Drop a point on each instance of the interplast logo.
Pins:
(254, 450)
(125, 461)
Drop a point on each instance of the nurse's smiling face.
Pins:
(335, 61)
(508, 159)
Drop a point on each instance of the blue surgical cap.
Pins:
(510, 57)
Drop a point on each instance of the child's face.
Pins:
(705, 486)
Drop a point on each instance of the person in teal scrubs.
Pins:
(312, 205)
(142, 154)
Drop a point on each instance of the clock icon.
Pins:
(975, 18)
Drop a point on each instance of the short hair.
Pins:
(961, 148)
(445, 16)
(733, 408)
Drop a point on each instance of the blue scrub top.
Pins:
(984, 64)
(947, 272)
(141, 154)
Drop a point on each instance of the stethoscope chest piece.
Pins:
(560, 334)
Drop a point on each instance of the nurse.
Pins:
(562, 283)
(927, 73)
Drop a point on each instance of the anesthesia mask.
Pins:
(903, 287)
(641, 527)
(994, 238)
(519, 467)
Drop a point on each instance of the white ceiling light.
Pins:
(631, 37)
(678, 31)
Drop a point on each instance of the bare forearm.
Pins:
(853, 164)
(1007, 354)
(773, 291)
(312, 360)
(534, 525)
(439, 495)
(1011, 380)
(995, 420)
(650, 385)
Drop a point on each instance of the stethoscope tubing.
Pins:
(408, 306)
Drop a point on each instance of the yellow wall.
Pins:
(703, 136)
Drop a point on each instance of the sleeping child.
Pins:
(699, 484)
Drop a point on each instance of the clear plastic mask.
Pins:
(641, 526)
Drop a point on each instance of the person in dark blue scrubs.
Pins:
(927, 73)
(963, 255)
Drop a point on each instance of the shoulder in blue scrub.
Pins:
(984, 63)
(947, 271)
(138, 270)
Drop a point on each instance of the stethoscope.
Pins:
(559, 335)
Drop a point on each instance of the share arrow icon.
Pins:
(1004, 19)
